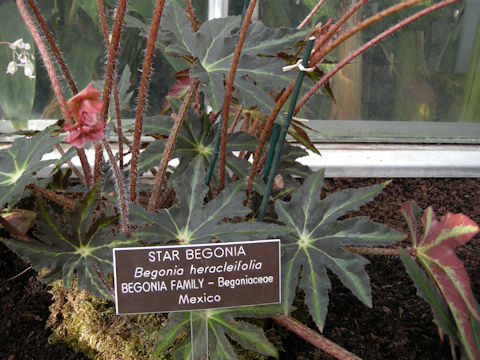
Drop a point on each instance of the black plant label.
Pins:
(196, 277)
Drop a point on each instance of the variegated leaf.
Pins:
(435, 250)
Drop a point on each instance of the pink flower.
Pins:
(84, 108)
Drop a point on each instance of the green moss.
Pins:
(89, 324)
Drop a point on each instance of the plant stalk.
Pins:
(364, 24)
(120, 187)
(51, 41)
(314, 338)
(171, 143)
(191, 15)
(71, 165)
(50, 195)
(310, 15)
(109, 76)
(333, 30)
(368, 45)
(229, 89)
(53, 79)
(142, 96)
(119, 131)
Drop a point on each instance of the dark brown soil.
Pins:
(399, 326)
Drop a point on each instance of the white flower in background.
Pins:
(11, 68)
(21, 58)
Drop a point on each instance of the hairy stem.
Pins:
(50, 195)
(229, 89)
(120, 187)
(142, 96)
(368, 45)
(171, 143)
(314, 338)
(235, 120)
(310, 15)
(191, 15)
(51, 41)
(46, 59)
(66, 72)
(71, 165)
(97, 171)
(364, 24)
(333, 30)
(85, 166)
(109, 78)
(119, 131)
(112, 57)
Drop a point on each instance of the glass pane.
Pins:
(76, 28)
(424, 72)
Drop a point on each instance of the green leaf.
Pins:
(213, 47)
(190, 221)
(196, 138)
(220, 322)
(315, 243)
(81, 56)
(78, 245)
(17, 91)
(21, 160)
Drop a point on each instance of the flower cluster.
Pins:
(84, 108)
(21, 58)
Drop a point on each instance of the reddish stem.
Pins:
(56, 52)
(235, 120)
(97, 172)
(142, 95)
(85, 166)
(314, 338)
(71, 165)
(50, 195)
(368, 45)
(109, 75)
(119, 131)
(191, 16)
(170, 144)
(66, 72)
(120, 188)
(333, 30)
(46, 59)
(371, 20)
(310, 15)
(229, 89)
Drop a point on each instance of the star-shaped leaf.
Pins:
(190, 221)
(213, 46)
(19, 162)
(220, 322)
(196, 138)
(80, 245)
(316, 243)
